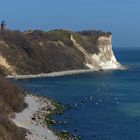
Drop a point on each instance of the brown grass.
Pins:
(11, 100)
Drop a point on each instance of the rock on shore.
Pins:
(32, 118)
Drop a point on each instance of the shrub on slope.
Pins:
(11, 100)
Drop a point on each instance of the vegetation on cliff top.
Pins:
(38, 51)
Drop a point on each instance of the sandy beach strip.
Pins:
(53, 74)
(31, 118)
(61, 73)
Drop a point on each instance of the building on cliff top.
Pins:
(3, 25)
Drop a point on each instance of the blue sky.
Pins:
(121, 17)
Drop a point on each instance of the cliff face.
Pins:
(103, 58)
(106, 58)
(36, 51)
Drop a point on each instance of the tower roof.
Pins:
(3, 22)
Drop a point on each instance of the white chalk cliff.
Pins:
(104, 59)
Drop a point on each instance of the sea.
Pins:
(101, 105)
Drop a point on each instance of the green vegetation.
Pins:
(49, 121)
(94, 33)
(87, 42)
(58, 109)
(60, 35)
(64, 135)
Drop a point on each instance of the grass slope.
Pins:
(11, 100)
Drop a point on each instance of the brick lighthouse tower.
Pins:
(3, 25)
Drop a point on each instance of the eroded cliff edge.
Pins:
(35, 52)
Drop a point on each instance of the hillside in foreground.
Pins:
(35, 52)
(11, 100)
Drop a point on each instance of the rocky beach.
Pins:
(32, 118)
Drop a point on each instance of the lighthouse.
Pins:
(3, 25)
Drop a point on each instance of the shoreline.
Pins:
(52, 74)
(32, 118)
(61, 73)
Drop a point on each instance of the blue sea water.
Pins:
(105, 105)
